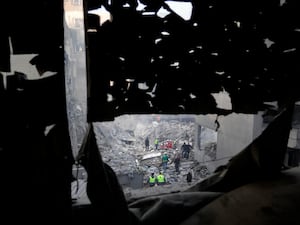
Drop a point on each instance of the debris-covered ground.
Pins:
(122, 146)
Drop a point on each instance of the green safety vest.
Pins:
(151, 180)
(165, 158)
(160, 178)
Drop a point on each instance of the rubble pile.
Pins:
(122, 146)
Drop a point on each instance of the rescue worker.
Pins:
(186, 148)
(177, 162)
(147, 143)
(164, 161)
(160, 179)
(189, 177)
(156, 143)
(152, 180)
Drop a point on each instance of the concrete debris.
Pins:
(122, 146)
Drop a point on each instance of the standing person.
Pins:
(177, 162)
(147, 143)
(156, 143)
(164, 161)
(189, 177)
(188, 150)
(184, 150)
(160, 179)
(152, 180)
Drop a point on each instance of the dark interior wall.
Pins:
(225, 55)
(36, 164)
(248, 49)
(32, 26)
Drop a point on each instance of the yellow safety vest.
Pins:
(151, 180)
(160, 178)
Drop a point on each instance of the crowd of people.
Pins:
(160, 178)
(185, 148)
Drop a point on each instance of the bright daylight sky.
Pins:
(183, 9)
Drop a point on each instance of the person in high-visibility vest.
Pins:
(160, 179)
(156, 143)
(152, 180)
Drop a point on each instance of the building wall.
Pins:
(236, 131)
